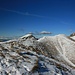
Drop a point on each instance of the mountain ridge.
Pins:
(28, 55)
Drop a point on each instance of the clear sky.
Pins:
(18, 17)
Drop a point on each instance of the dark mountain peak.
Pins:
(73, 34)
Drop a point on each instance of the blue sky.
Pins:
(18, 17)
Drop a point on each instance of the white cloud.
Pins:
(45, 32)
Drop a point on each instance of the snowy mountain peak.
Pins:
(73, 34)
(28, 35)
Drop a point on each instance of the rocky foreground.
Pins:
(50, 55)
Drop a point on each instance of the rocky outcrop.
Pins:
(73, 34)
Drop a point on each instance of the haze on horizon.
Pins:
(18, 17)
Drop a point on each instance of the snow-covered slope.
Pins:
(73, 37)
(49, 55)
(28, 35)
(65, 47)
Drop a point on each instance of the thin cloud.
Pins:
(13, 11)
(45, 32)
(71, 31)
(22, 13)
(39, 33)
(35, 15)
(66, 23)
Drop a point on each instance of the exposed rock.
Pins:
(73, 34)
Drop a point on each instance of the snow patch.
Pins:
(73, 37)
(26, 35)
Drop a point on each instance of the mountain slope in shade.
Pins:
(49, 55)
